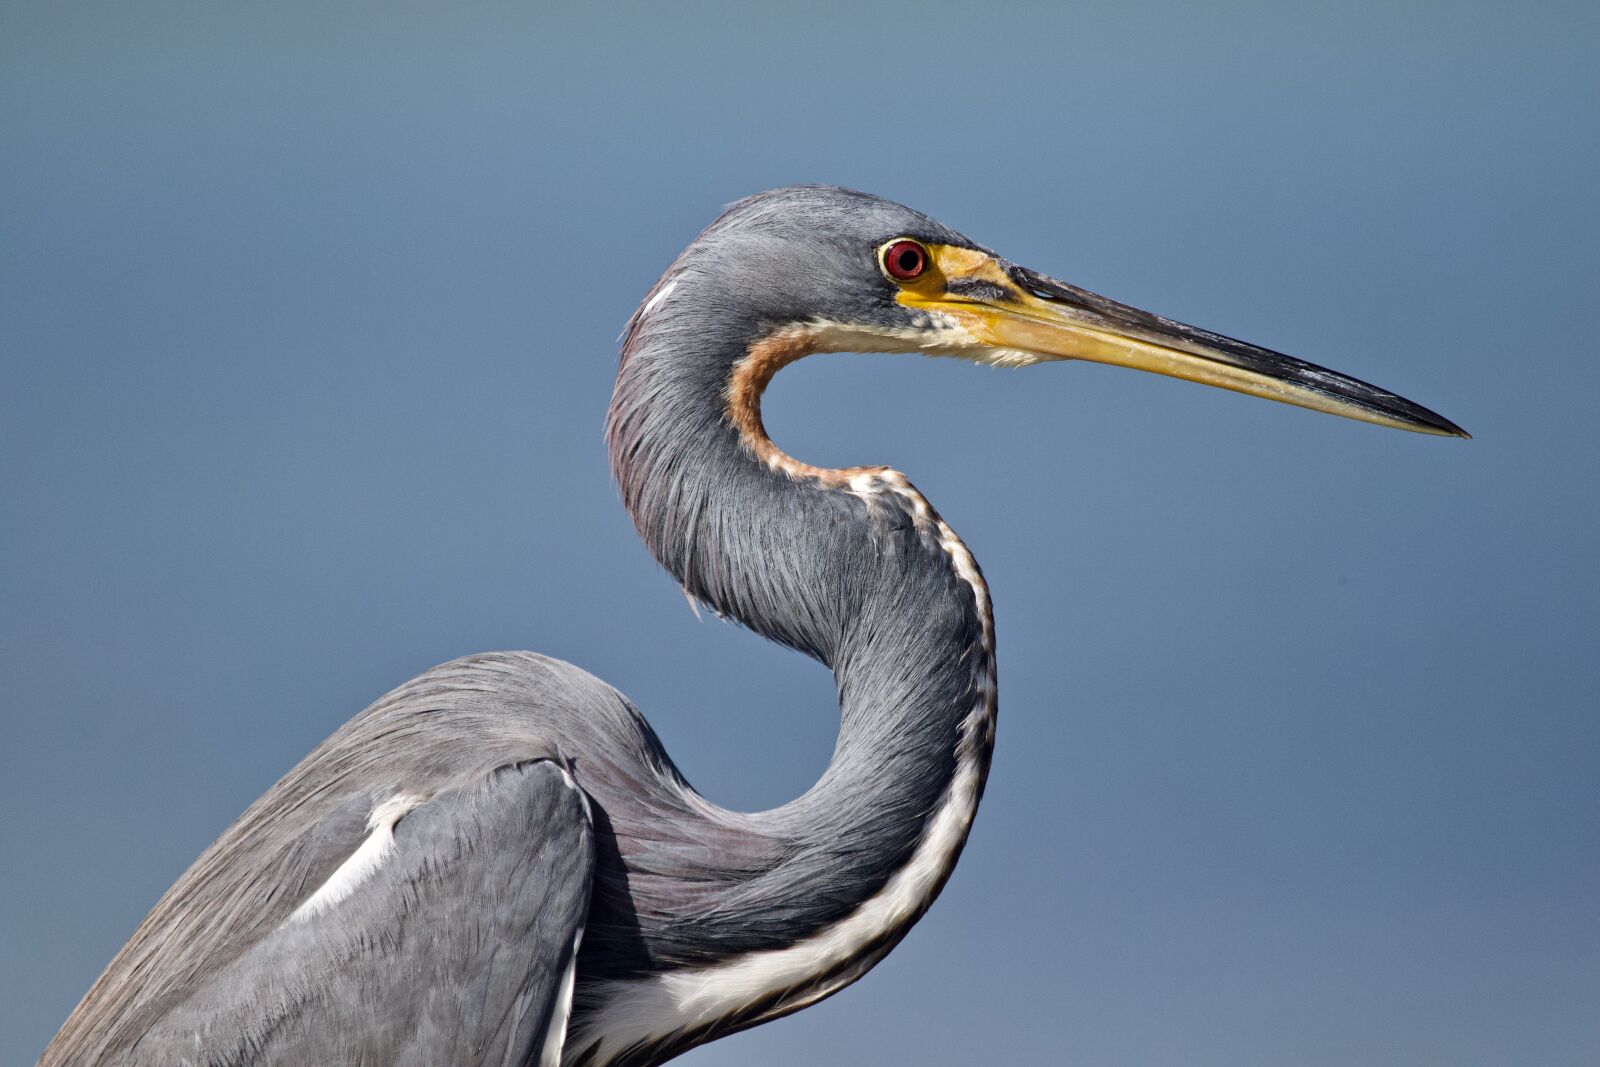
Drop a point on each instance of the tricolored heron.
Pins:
(497, 863)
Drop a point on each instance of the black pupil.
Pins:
(908, 260)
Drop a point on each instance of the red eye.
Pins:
(905, 260)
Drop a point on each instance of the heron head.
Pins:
(838, 270)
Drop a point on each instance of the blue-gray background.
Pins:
(309, 321)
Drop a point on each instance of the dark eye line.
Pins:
(978, 289)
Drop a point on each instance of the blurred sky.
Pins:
(308, 320)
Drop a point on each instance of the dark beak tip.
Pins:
(1443, 427)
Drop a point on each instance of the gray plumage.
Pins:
(366, 981)
(677, 881)
(533, 810)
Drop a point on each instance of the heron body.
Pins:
(497, 863)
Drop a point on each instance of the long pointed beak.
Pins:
(1007, 307)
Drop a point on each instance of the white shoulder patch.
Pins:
(363, 862)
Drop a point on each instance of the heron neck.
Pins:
(851, 567)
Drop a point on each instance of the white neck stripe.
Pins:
(630, 1013)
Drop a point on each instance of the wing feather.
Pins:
(456, 945)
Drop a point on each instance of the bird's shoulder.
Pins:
(446, 732)
(449, 935)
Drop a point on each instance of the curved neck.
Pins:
(851, 567)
